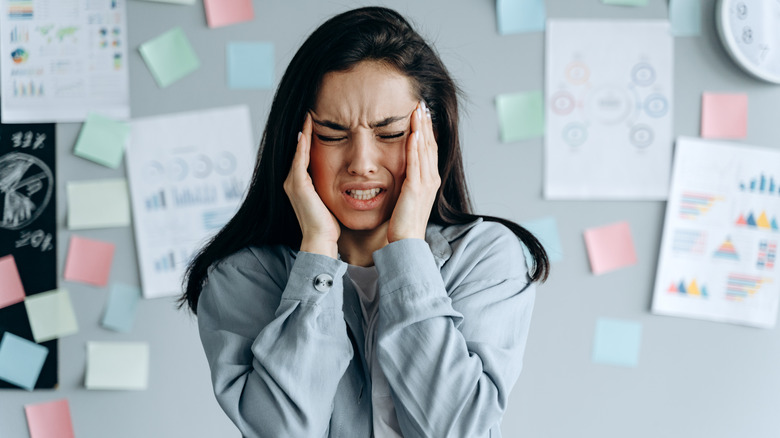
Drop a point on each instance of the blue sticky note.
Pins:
(546, 231)
(517, 16)
(685, 17)
(21, 360)
(120, 307)
(617, 342)
(250, 65)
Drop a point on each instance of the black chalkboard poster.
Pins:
(28, 226)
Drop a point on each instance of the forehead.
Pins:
(368, 92)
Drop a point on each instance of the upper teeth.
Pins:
(364, 194)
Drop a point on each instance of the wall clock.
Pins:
(750, 31)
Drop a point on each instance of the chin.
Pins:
(362, 224)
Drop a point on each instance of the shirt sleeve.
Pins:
(276, 351)
(452, 356)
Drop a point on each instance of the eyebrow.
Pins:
(338, 127)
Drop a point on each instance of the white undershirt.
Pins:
(384, 419)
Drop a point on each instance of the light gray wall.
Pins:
(694, 379)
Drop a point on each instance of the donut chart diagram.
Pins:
(583, 104)
(608, 99)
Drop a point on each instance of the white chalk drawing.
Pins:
(26, 185)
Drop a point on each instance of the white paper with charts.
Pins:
(188, 173)
(62, 59)
(720, 242)
(608, 123)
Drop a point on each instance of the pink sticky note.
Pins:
(724, 115)
(225, 12)
(610, 247)
(49, 420)
(11, 290)
(89, 261)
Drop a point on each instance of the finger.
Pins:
(423, 147)
(305, 140)
(413, 158)
(431, 147)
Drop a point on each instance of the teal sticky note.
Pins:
(121, 307)
(617, 342)
(250, 65)
(685, 17)
(21, 360)
(521, 115)
(546, 231)
(625, 2)
(102, 140)
(169, 57)
(518, 16)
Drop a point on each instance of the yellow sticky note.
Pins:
(98, 204)
(51, 315)
(117, 365)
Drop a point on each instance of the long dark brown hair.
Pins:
(378, 34)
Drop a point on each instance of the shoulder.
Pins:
(483, 248)
(250, 274)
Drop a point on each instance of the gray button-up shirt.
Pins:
(287, 359)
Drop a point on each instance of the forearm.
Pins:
(283, 382)
(445, 383)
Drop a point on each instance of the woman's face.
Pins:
(358, 151)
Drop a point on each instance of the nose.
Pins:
(362, 157)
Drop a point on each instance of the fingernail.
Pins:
(419, 113)
(300, 134)
(422, 104)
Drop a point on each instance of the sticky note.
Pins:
(51, 315)
(169, 57)
(517, 16)
(724, 115)
(120, 307)
(11, 290)
(49, 420)
(101, 203)
(225, 12)
(521, 115)
(546, 231)
(625, 2)
(21, 360)
(610, 247)
(117, 365)
(250, 65)
(89, 261)
(685, 17)
(102, 140)
(617, 342)
(180, 2)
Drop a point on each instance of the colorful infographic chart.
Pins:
(719, 248)
(62, 59)
(187, 174)
(608, 132)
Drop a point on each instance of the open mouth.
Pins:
(364, 195)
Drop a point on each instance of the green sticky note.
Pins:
(625, 2)
(51, 315)
(521, 115)
(102, 140)
(685, 17)
(169, 57)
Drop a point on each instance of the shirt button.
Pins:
(323, 282)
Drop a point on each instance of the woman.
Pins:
(354, 294)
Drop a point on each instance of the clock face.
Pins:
(750, 31)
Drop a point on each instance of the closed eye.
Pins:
(326, 139)
(391, 136)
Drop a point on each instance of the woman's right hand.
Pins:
(319, 227)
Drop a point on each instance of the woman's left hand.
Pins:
(418, 193)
